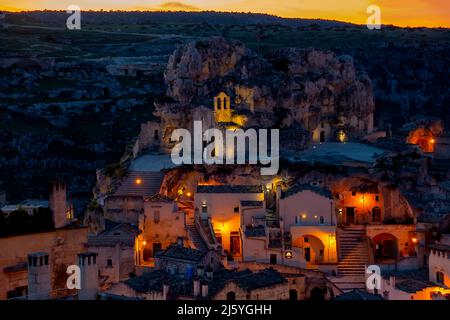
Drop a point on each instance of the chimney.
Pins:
(200, 271)
(57, 203)
(89, 276)
(39, 282)
(205, 288)
(180, 242)
(196, 287)
(166, 288)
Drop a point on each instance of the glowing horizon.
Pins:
(413, 13)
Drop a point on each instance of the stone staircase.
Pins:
(353, 258)
(195, 238)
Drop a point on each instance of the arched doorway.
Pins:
(231, 295)
(313, 249)
(293, 295)
(317, 294)
(385, 246)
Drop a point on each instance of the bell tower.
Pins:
(222, 108)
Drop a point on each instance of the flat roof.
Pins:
(230, 189)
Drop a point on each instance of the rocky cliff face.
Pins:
(306, 87)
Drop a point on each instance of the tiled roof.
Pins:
(261, 279)
(115, 233)
(143, 184)
(180, 285)
(411, 285)
(410, 281)
(176, 252)
(357, 294)
(158, 198)
(230, 189)
(297, 188)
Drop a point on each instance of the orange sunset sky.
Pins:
(430, 13)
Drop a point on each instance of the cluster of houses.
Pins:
(304, 239)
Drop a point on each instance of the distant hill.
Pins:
(141, 17)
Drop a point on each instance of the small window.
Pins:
(377, 198)
(156, 134)
(109, 263)
(353, 193)
(306, 239)
(322, 220)
(236, 209)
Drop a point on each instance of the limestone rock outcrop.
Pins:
(312, 88)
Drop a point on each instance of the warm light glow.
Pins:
(399, 12)
(304, 216)
(138, 181)
(414, 240)
(288, 254)
(188, 194)
(315, 217)
(432, 141)
(342, 136)
(144, 243)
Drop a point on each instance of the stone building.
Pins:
(62, 242)
(308, 217)
(180, 259)
(224, 207)
(224, 284)
(115, 249)
(439, 262)
(161, 224)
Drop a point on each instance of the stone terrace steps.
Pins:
(140, 183)
(195, 237)
(353, 253)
